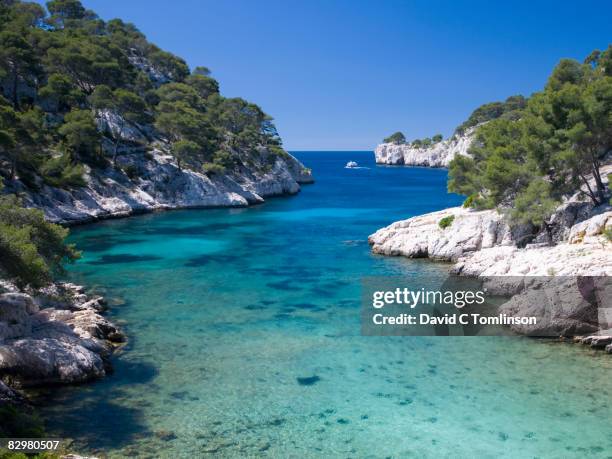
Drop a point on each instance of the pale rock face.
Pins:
(109, 121)
(49, 361)
(422, 236)
(438, 155)
(481, 245)
(15, 310)
(51, 341)
(161, 185)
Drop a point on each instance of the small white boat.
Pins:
(351, 165)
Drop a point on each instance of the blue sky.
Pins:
(341, 75)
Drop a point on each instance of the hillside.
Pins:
(96, 121)
(438, 152)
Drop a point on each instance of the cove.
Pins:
(244, 340)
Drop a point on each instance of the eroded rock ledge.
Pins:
(480, 244)
(55, 337)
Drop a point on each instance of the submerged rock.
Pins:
(308, 381)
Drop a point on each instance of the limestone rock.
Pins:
(561, 304)
(27, 362)
(15, 310)
(161, 185)
(437, 155)
(56, 337)
(422, 236)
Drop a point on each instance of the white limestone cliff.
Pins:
(159, 184)
(437, 155)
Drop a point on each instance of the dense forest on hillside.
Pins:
(529, 162)
(73, 90)
(61, 70)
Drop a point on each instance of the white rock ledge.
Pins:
(480, 244)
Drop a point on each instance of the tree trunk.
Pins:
(591, 193)
(15, 86)
(115, 149)
(598, 182)
(548, 228)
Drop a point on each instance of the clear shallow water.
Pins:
(226, 309)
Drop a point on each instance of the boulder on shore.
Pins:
(55, 337)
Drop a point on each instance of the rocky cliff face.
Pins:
(147, 181)
(437, 155)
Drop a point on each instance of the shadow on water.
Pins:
(196, 230)
(113, 418)
(202, 260)
(123, 258)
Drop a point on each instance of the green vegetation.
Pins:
(13, 455)
(446, 221)
(397, 138)
(16, 422)
(608, 234)
(509, 109)
(470, 202)
(72, 84)
(31, 249)
(529, 161)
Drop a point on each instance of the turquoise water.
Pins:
(244, 340)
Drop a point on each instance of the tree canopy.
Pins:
(397, 138)
(65, 68)
(550, 147)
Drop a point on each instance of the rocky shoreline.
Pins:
(53, 337)
(481, 244)
(158, 184)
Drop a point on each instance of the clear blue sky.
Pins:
(342, 74)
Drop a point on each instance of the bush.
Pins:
(31, 249)
(470, 201)
(60, 172)
(131, 171)
(608, 234)
(17, 424)
(446, 221)
(213, 169)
